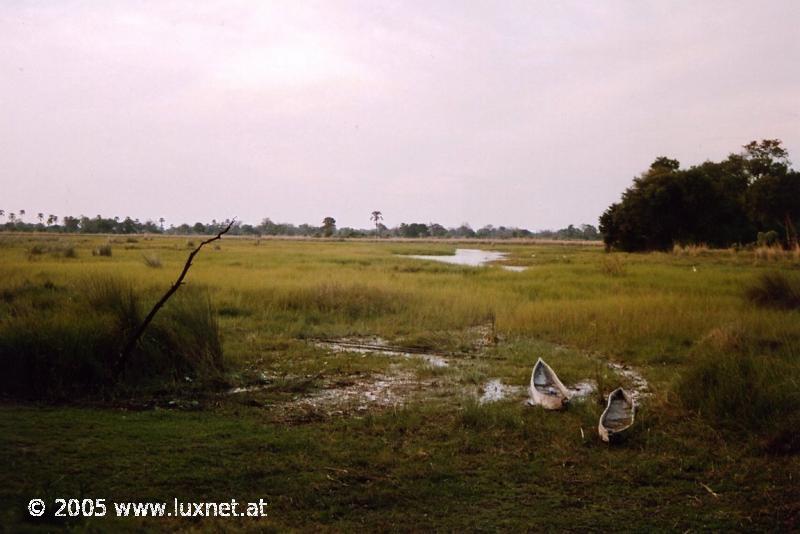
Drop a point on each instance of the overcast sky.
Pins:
(533, 114)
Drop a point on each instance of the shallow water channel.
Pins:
(470, 257)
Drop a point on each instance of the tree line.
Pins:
(751, 196)
(15, 221)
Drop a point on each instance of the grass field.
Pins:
(338, 440)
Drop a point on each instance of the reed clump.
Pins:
(102, 250)
(775, 289)
(152, 260)
(63, 342)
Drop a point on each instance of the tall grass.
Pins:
(744, 392)
(775, 290)
(68, 346)
(152, 260)
(102, 250)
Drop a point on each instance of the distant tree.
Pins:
(437, 230)
(161, 221)
(71, 224)
(51, 220)
(12, 217)
(328, 226)
(465, 230)
(2, 213)
(21, 215)
(413, 230)
(40, 216)
(376, 217)
(589, 232)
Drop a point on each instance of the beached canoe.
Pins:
(618, 415)
(546, 389)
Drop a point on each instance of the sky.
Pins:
(534, 114)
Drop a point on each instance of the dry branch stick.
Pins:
(126, 351)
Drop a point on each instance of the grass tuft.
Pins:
(152, 261)
(775, 290)
(102, 250)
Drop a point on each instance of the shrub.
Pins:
(152, 260)
(67, 251)
(775, 290)
(36, 250)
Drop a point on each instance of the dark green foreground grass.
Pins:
(496, 467)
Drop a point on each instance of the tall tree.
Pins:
(376, 217)
(328, 226)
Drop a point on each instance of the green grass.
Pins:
(443, 461)
(59, 342)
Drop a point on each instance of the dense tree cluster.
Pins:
(718, 204)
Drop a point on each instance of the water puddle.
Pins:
(471, 258)
(494, 390)
(639, 385)
(377, 345)
(582, 390)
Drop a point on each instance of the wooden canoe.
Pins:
(618, 415)
(546, 390)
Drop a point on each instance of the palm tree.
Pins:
(2, 213)
(161, 220)
(21, 214)
(51, 219)
(377, 216)
(12, 217)
(40, 216)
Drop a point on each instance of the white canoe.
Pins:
(546, 389)
(618, 415)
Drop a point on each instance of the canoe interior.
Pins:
(543, 381)
(619, 414)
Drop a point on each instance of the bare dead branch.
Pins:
(130, 345)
